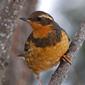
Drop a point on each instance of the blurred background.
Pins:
(68, 14)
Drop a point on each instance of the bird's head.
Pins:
(41, 22)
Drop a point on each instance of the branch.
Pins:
(8, 15)
(61, 72)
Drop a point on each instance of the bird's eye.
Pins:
(39, 18)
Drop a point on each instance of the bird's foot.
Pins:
(67, 58)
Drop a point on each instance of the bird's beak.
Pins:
(25, 19)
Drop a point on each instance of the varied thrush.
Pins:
(47, 44)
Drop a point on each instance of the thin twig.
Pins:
(61, 72)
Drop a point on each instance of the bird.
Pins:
(47, 44)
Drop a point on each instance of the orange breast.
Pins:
(41, 59)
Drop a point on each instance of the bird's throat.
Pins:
(42, 33)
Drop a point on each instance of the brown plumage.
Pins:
(46, 45)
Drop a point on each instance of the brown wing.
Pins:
(58, 27)
(27, 43)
